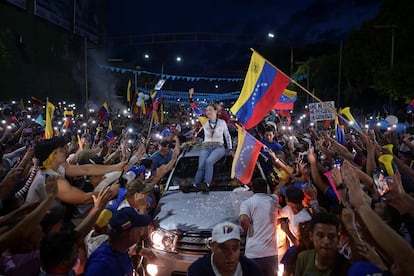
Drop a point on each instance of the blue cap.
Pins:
(127, 218)
(137, 170)
(165, 132)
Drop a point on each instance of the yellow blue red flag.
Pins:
(104, 111)
(245, 158)
(262, 88)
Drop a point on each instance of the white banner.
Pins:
(321, 112)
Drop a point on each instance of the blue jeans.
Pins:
(268, 265)
(209, 155)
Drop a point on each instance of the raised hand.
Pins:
(101, 200)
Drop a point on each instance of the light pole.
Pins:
(272, 36)
(392, 27)
(307, 78)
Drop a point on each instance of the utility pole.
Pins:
(86, 80)
(392, 27)
(339, 76)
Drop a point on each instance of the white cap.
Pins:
(225, 231)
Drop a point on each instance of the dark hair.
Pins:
(294, 194)
(259, 185)
(212, 104)
(324, 218)
(269, 128)
(56, 248)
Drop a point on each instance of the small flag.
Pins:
(36, 101)
(286, 101)
(21, 104)
(245, 159)
(156, 99)
(109, 137)
(339, 130)
(104, 111)
(68, 118)
(50, 109)
(162, 114)
(129, 94)
(39, 120)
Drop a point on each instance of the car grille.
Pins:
(196, 243)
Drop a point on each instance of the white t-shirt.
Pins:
(37, 191)
(93, 242)
(261, 240)
(294, 220)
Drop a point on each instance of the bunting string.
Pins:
(177, 77)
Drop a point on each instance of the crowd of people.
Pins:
(80, 202)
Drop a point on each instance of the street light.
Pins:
(271, 36)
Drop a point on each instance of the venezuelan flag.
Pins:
(156, 99)
(262, 88)
(104, 111)
(339, 130)
(109, 137)
(245, 158)
(286, 101)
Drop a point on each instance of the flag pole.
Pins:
(309, 93)
(149, 129)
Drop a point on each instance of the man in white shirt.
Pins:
(258, 219)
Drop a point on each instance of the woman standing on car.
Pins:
(213, 148)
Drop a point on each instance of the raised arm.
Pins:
(82, 170)
(393, 244)
(25, 227)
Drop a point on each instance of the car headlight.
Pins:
(163, 240)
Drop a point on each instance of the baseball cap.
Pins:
(364, 268)
(225, 231)
(126, 218)
(165, 132)
(44, 148)
(165, 143)
(137, 186)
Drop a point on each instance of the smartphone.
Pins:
(337, 163)
(381, 182)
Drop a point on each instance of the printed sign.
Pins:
(321, 111)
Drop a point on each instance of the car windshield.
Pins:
(186, 168)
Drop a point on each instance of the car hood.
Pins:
(193, 212)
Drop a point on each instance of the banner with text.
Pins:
(321, 111)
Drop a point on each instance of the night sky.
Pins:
(295, 23)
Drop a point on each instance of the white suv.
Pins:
(183, 222)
